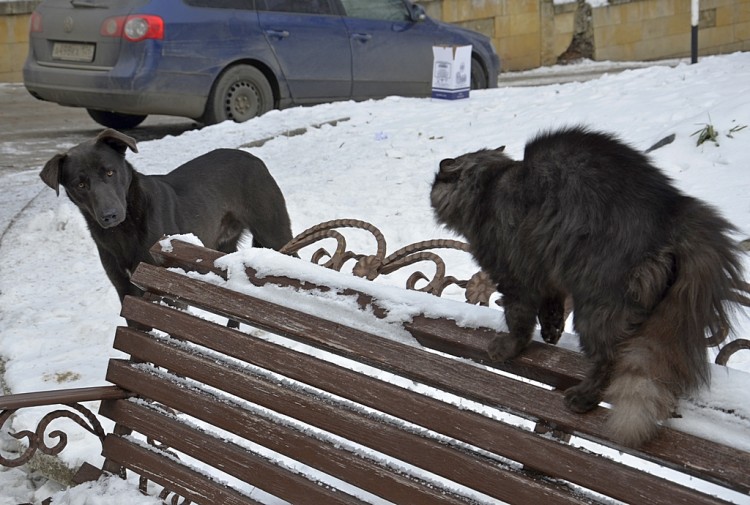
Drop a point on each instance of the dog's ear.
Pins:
(500, 149)
(52, 171)
(117, 141)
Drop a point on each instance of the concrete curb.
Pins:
(581, 71)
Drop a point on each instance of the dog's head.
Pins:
(95, 176)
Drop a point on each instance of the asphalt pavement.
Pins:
(32, 131)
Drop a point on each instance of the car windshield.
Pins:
(387, 10)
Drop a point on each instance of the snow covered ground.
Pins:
(374, 161)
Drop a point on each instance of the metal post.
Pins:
(694, 17)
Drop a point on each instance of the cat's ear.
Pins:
(500, 149)
(450, 170)
(449, 165)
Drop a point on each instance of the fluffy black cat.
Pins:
(650, 269)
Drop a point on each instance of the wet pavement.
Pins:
(32, 131)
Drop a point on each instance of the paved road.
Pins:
(32, 131)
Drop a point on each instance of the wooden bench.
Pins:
(307, 402)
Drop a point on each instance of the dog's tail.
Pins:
(667, 357)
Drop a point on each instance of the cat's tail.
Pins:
(667, 356)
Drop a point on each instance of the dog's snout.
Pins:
(110, 217)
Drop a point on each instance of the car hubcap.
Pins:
(242, 102)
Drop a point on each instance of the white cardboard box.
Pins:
(451, 72)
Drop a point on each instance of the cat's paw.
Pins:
(581, 399)
(552, 319)
(503, 348)
(551, 333)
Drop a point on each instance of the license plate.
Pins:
(73, 52)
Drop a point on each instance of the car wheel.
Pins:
(115, 119)
(241, 93)
(478, 75)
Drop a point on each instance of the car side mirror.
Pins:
(417, 13)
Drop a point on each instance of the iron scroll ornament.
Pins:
(479, 288)
(36, 440)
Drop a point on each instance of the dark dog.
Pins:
(650, 270)
(216, 197)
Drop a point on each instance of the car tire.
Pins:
(242, 92)
(116, 120)
(478, 75)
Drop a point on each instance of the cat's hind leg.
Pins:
(602, 325)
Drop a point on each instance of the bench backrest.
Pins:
(311, 410)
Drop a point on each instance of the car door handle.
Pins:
(281, 34)
(362, 37)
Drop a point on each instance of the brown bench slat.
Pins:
(188, 256)
(460, 378)
(282, 439)
(537, 453)
(545, 363)
(431, 455)
(185, 255)
(86, 473)
(230, 457)
(285, 440)
(60, 397)
(172, 474)
(693, 455)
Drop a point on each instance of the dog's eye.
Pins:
(81, 185)
(110, 173)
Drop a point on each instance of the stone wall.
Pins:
(637, 30)
(532, 33)
(527, 33)
(14, 37)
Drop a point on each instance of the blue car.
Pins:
(217, 60)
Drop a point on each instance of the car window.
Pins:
(222, 4)
(299, 6)
(387, 10)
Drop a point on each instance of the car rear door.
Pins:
(391, 53)
(311, 45)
